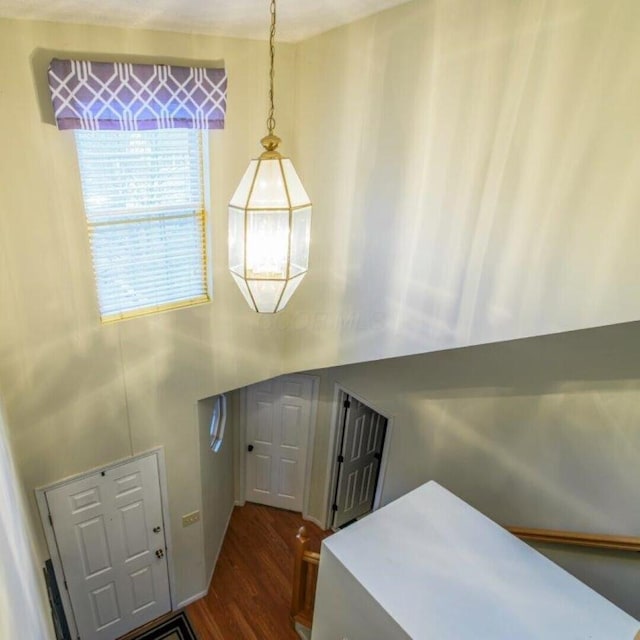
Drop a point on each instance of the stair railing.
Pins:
(305, 573)
(305, 577)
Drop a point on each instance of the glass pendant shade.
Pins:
(269, 231)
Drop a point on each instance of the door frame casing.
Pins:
(335, 431)
(242, 441)
(49, 533)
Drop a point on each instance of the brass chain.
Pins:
(271, 122)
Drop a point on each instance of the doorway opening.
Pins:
(276, 444)
(109, 540)
(357, 459)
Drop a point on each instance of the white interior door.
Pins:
(110, 535)
(277, 434)
(358, 461)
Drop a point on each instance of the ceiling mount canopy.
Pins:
(269, 220)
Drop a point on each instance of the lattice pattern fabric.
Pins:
(122, 96)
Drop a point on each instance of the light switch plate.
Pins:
(190, 518)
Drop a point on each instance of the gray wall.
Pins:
(542, 432)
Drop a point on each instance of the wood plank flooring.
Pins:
(250, 593)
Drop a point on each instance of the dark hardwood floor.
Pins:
(250, 593)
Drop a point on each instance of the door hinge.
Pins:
(50, 519)
(346, 404)
(334, 507)
(340, 458)
(66, 586)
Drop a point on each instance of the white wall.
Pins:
(80, 394)
(345, 609)
(442, 570)
(542, 432)
(473, 167)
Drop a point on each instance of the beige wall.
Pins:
(216, 473)
(542, 432)
(80, 394)
(23, 598)
(473, 167)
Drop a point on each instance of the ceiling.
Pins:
(297, 19)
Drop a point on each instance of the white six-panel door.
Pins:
(110, 535)
(277, 435)
(358, 461)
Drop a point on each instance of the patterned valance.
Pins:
(122, 96)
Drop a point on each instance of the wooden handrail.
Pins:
(574, 538)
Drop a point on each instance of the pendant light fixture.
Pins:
(269, 221)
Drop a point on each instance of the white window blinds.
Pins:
(144, 202)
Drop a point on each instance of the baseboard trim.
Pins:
(314, 520)
(191, 600)
(202, 594)
(303, 632)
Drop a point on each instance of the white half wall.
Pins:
(542, 432)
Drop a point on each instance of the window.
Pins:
(144, 202)
(218, 422)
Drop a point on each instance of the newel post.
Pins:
(299, 573)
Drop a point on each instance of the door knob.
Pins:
(156, 529)
(159, 553)
(250, 448)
